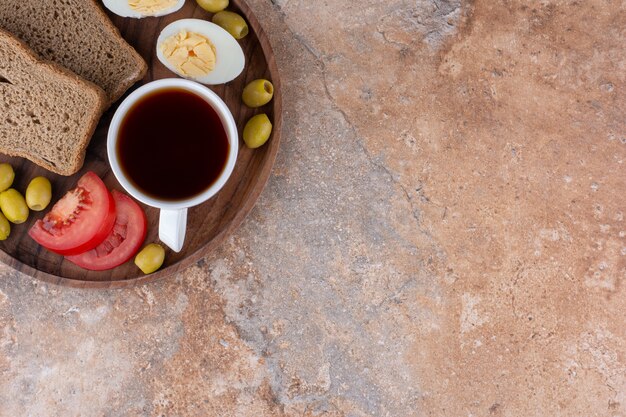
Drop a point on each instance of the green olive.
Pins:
(232, 22)
(257, 131)
(13, 206)
(213, 6)
(7, 175)
(258, 93)
(150, 258)
(5, 227)
(38, 193)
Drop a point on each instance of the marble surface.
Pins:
(443, 235)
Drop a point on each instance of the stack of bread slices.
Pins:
(62, 63)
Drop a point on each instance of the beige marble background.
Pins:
(443, 235)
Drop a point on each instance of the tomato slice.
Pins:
(122, 243)
(79, 221)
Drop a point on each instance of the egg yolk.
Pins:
(190, 53)
(150, 6)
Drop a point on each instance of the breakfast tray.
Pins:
(208, 224)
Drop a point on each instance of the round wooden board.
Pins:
(210, 223)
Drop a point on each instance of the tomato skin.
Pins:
(87, 229)
(122, 243)
(102, 233)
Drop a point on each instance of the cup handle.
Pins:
(172, 228)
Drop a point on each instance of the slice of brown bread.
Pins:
(47, 113)
(78, 35)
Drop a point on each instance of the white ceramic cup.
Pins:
(173, 217)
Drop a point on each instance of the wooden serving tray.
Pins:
(208, 224)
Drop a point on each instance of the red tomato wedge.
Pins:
(122, 243)
(79, 221)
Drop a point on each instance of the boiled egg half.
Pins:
(201, 51)
(143, 8)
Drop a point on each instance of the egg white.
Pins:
(122, 8)
(229, 58)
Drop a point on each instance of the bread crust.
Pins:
(90, 127)
(98, 25)
(142, 67)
